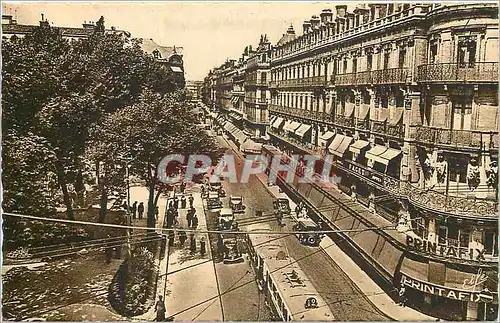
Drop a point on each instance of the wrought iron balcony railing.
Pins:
(314, 81)
(301, 113)
(477, 72)
(457, 138)
(256, 82)
(256, 100)
(386, 76)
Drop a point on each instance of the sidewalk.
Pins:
(367, 286)
(141, 194)
(192, 279)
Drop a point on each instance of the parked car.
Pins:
(236, 204)
(213, 201)
(217, 187)
(282, 205)
(226, 220)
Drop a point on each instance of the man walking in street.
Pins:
(182, 237)
(191, 201)
(189, 217)
(192, 243)
(160, 309)
(140, 210)
(194, 220)
(134, 210)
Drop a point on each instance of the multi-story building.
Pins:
(194, 87)
(10, 27)
(405, 97)
(256, 89)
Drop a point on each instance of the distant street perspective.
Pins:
(176, 161)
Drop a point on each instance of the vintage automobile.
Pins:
(236, 204)
(309, 237)
(217, 187)
(282, 205)
(225, 219)
(213, 201)
(230, 249)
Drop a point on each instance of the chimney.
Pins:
(341, 10)
(290, 30)
(306, 27)
(315, 21)
(326, 15)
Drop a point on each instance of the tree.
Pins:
(156, 126)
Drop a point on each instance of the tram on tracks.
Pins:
(287, 288)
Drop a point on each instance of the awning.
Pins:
(287, 125)
(363, 112)
(327, 135)
(227, 125)
(272, 119)
(176, 69)
(398, 117)
(251, 146)
(302, 130)
(375, 152)
(277, 123)
(349, 110)
(389, 155)
(293, 126)
(358, 146)
(339, 145)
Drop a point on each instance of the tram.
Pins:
(289, 291)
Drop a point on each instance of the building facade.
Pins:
(405, 98)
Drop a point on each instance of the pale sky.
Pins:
(210, 32)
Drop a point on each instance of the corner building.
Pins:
(405, 96)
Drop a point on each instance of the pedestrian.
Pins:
(176, 202)
(170, 204)
(183, 202)
(402, 297)
(297, 210)
(157, 213)
(192, 243)
(194, 221)
(170, 218)
(203, 249)
(182, 237)
(202, 190)
(140, 210)
(189, 217)
(134, 209)
(220, 246)
(191, 201)
(160, 309)
(182, 187)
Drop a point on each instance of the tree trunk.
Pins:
(151, 202)
(62, 182)
(104, 205)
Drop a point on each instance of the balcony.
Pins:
(456, 138)
(386, 129)
(300, 113)
(426, 199)
(314, 81)
(256, 100)
(479, 72)
(256, 82)
(386, 76)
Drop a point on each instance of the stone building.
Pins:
(404, 96)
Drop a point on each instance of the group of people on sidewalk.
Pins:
(137, 210)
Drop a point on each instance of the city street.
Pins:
(342, 296)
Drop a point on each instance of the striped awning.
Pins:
(339, 145)
(302, 130)
(277, 123)
(382, 154)
(358, 146)
(292, 126)
(327, 135)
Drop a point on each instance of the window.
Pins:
(354, 65)
(402, 55)
(263, 77)
(345, 66)
(466, 51)
(264, 58)
(421, 226)
(462, 113)
(458, 170)
(369, 62)
(433, 51)
(464, 237)
(387, 56)
(491, 243)
(453, 236)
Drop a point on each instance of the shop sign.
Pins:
(422, 245)
(456, 294)
(359, 170)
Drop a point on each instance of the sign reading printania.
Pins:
(421, 245)
(456, 294)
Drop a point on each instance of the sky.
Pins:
(210, 32)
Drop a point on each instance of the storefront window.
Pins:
(491, 243)
(453, 236)
(442, 235)
(464, 237)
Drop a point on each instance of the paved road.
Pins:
(344, 299)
